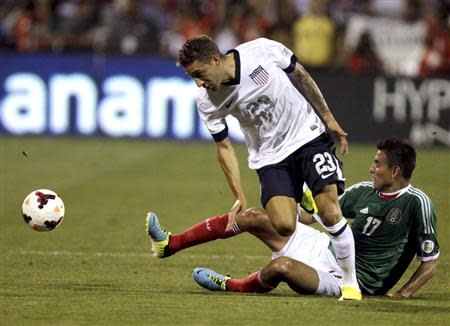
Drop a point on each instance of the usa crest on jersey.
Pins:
(260, 76)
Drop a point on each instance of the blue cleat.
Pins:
(210, 279)
(159, 236)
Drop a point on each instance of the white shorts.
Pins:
(310, 246)
(329, 283)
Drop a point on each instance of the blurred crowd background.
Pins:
(391, 37)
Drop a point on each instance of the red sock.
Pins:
(208, 230)
(250, 284)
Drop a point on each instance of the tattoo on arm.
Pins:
(310, 89)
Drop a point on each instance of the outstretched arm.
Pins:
(312, 93)
(422, 275)
(230, 167)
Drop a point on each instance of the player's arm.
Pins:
(313, 94)
(422, 275)
(350, 197)
(230, 167)
(427, 248)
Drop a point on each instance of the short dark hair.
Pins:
(197, 48)
(401, 153)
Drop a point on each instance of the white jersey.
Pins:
(273, 115)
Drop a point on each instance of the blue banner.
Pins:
(153, 98)
(91, 95)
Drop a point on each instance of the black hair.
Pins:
(198, 48)
(400, 153)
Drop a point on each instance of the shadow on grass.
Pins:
(375, 304)
(406, 307)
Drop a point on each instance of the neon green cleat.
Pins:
(159, 237)
(350, 293)
(308, 203)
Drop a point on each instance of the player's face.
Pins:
(382, 173)
(206, 74)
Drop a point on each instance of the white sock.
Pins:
(344, 246)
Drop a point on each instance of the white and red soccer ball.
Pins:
(43, 210)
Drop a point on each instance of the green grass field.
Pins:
(96, 268)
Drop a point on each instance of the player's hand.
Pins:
(237, 207)
(334, 127)
(343, 149)
(399, 295)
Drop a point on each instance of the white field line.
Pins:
(120, 254)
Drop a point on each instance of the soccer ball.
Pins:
(43, 210)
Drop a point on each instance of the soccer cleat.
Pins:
(159, 236)
(350, 293)
(210, 279)
(308, 202)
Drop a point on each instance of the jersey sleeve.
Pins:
(215, 124)
(283, 57)
(427, 247)
(347, 201)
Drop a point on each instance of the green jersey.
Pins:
(388, 233)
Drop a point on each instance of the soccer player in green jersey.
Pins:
(393, 222)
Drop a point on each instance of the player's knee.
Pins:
(251, 218)
(281, 266)
(255, 213)
(284, 227)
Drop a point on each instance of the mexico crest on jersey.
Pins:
(260, 76)
(394, 216)
(427, 246)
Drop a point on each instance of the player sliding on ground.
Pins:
(393, 222)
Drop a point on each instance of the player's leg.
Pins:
(165, 244)
(341, 238)
(215, 281)
(286, 266)
(252, 220)
(324, 176)
(278, 192)
(306, 263)
(300, 277)
(282, 211)
(257, 222)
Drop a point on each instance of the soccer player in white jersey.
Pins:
(393, 222)
(286, 140)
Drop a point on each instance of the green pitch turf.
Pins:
(96, 267)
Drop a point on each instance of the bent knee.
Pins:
(281, 265)
(254, 213)
(251, 217)
(284, 228)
